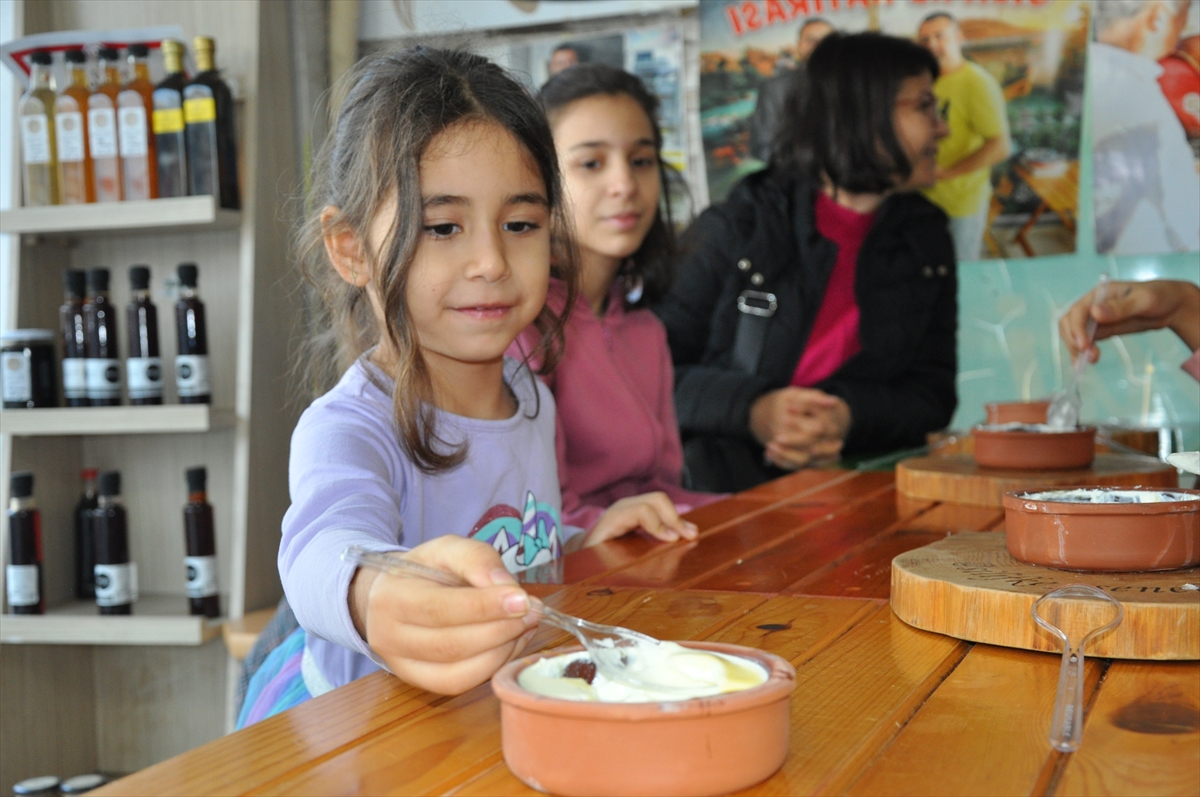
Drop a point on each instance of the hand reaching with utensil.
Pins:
(1134, 307)
(440, 638)
(653, 513)
(800, 426)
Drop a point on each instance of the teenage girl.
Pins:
(438, 196)
(613, 387)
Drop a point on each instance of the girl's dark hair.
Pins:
(839, 108)
(653, 264)
(395, 104)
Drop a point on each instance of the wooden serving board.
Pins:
(968, 586)
(957, 479)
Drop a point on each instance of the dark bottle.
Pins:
(169, 143)
(143, 367)
(116, 576)
(85, 546)
(208, 116)
(201, 559)
(191, 364)
(74, 335)
(100, 335)
(26, 590)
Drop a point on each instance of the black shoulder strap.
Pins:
(755, 309)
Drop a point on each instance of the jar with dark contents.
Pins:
(28, 370)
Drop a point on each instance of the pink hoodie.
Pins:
(615, 431)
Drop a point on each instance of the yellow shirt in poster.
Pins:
(973, 106)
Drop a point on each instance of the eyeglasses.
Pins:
(926, 104)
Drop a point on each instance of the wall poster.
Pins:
(1011, 91)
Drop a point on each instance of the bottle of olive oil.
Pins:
(38, 146)
(169, 144)
(211, 144)
(102, 129)
(70, 128)
(135, 107)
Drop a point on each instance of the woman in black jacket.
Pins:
(791, 349)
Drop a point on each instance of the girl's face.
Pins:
(919, 127)
(482, 266)
(606, 149)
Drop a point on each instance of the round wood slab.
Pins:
(968, 586)
(957, 479)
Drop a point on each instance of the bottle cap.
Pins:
(21, 484)
(75, 57)
(74, 282)
(138, 50)
(204, 43)
(107, 53)
(188, 274)
(88, 474)
(196, 479)
(40, 57)
(45, 784)
(139, 278)
(110, 483)
(97, 279)
(171, 46)
(81, 783)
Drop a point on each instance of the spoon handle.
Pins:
(389, 563)
(1066, 727)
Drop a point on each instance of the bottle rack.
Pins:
(131, 691)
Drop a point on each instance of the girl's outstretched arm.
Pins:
(444, 639)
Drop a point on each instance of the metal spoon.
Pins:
(1063, 412)
(609, 646)
(1066, 728)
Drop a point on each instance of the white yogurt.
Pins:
(1109, 496)
(685, 672)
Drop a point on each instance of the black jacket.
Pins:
(899, 386)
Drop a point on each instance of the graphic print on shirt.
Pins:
(523, 539)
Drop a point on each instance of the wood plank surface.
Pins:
(1142, 735)
(995, 700)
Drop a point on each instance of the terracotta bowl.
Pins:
(1017, 411)
(1031, 450)
(1105, 537)
(703, 746)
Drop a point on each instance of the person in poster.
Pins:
(1147, 190)
(973, 106)
(764, 123)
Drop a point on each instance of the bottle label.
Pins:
(22, 581)
(74, 377)
(191, 375)
(35, 138)
(143, 375)
(199, 110)
(102, 132)
(168, 120)
(116, 585)
(103, 378)
(201, 576)
(69, 127)
(133, 130)
(18, 377)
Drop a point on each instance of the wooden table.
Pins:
(799, 567)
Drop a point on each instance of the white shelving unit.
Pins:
(131, 691)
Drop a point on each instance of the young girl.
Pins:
(439, 194)
(617, 435)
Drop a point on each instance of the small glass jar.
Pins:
(27, 368)
(43, 784)
(82, 783)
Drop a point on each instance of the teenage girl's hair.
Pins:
(839, 112)
(395, 104)
(653, 264)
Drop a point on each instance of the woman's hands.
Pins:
(652, 512)
(800, 426)
(444, 639)
(1134, 307)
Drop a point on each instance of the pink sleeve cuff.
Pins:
(1192, 365)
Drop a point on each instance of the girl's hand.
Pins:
(1134, 307)
(652, 512)
(444, 639)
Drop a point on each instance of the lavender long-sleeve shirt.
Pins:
(351, 484)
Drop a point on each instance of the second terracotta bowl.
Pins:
(704, 746)
(1017, 411)
(1031, 450)
(1103, 536)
